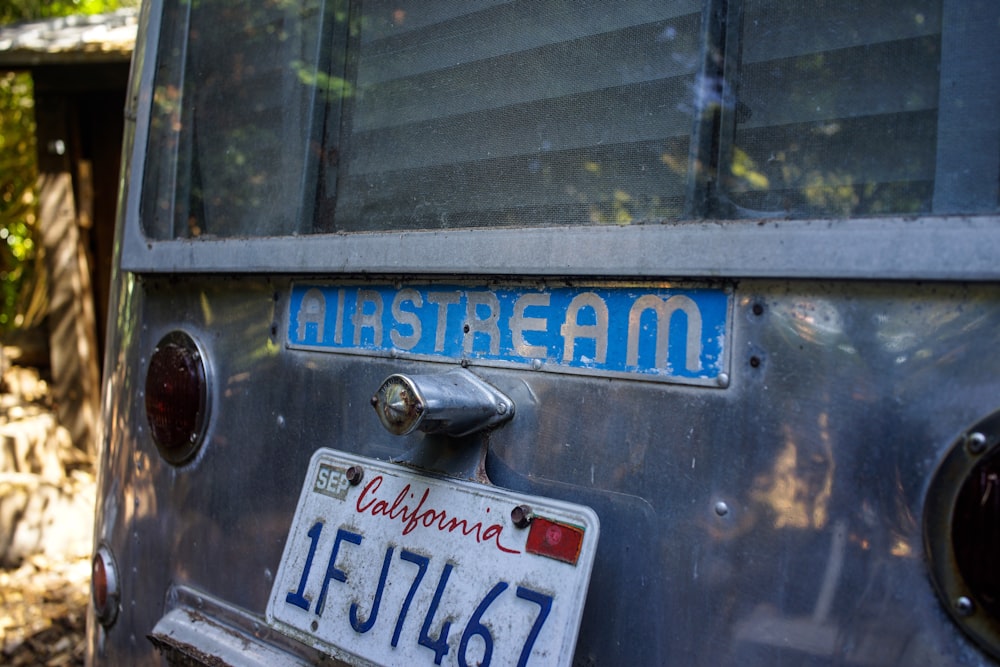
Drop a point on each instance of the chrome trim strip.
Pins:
(199, 629)
(929, 248)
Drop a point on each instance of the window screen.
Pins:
(236, 126)
(519, 113)
(278, 117)
(838, 108)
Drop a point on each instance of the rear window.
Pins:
(281, 118)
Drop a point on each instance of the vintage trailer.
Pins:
(452, 332)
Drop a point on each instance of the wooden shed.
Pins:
(80, 67)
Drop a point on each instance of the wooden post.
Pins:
(71, 325)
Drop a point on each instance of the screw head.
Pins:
(964, 606)
(975, 443)
(354, 475)
(521, 516)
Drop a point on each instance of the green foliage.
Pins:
(18, 305)
(22, 289)
(26, 10)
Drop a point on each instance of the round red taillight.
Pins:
(104, 592)
(176, 402)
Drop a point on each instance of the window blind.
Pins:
(328, 115)
(509, 113)
(839, 108)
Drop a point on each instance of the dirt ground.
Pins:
(43, 606)
(47, 494)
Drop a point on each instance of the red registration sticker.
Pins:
(554, 539)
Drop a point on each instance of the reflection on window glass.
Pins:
(839, 107)
(237, 102)
(519, 113)
(298, 116)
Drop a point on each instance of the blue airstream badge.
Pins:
(660, 332)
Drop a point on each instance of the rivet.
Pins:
(536, 364)
(721, 508)
(722, 380)
(964, 606)
(521, 516)
(975, 443)
(501, 408)
(354, 475)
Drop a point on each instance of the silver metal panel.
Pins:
(946, 248)
(968, 147)
(776, 521)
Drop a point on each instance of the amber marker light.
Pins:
(176, 397)
(104, 593)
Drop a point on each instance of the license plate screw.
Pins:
(354, 475)
(521, 516)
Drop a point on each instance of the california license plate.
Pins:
(385, 565)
